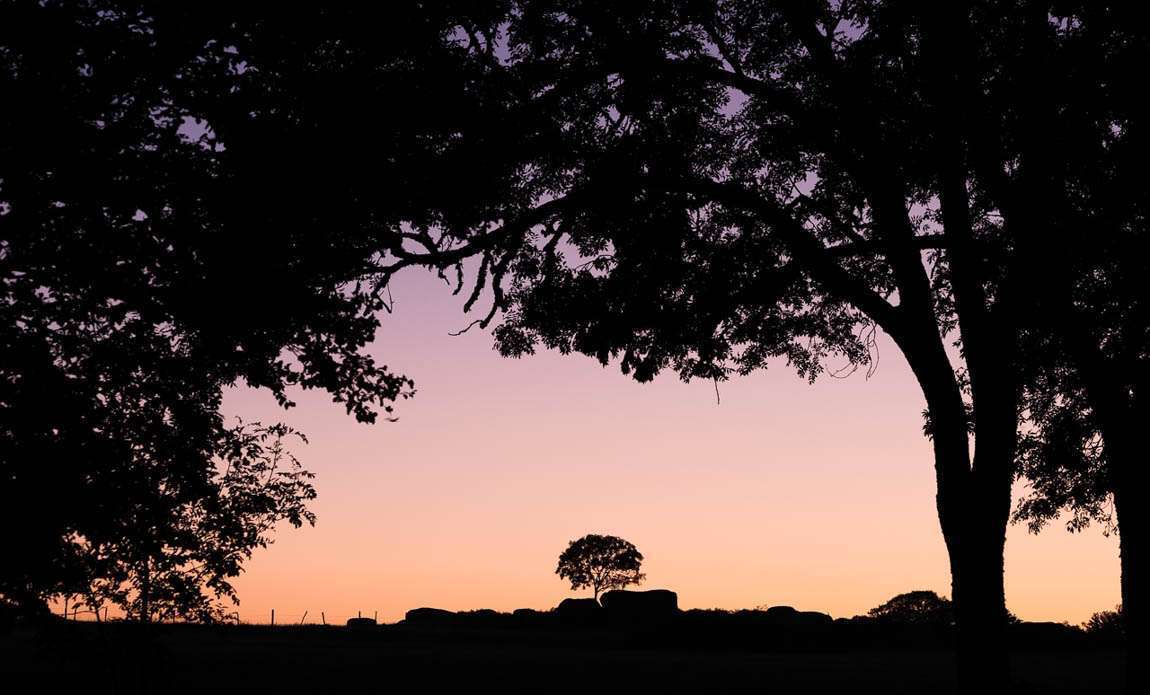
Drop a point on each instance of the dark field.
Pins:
(84, 657)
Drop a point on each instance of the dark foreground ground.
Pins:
(90, 658)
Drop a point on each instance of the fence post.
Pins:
(273, 616)
(323, 617)
(303, 618)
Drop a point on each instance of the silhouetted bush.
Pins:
(915, 607)
(1106, 627)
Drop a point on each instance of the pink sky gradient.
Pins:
(820, 497)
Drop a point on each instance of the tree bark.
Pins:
(975, 545)
(977, 590)
(1119, 420)
(1132, 521)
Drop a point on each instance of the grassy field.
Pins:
(390, 659)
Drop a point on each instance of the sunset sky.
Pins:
(820, 497)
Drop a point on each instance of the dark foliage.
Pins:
(1062, 459)
(196, 195)
(600, 563)
(130, 299)
(193, 195)
(1106, 625)
(174, 556)
(915, 608)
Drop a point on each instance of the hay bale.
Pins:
(814, 619)
(360, 623)
(781, 614)
(636, 607)
(429, 616)
(580, 611)
(529, 617)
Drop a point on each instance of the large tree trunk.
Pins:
(973, 509)
(975, 539)
(976, 560)
(1132, 520)
(1120, 422)
(974, 528)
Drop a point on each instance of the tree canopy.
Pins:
(600, 563)
(190, 197)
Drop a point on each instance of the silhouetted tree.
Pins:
(190, 196)
(915, 607)
(600, 563)
(732, 182)
(1087, 343)
(175, 554)
(701, 186)
(1079, 447)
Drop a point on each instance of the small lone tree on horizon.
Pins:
(601, 563)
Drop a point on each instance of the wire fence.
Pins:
(273, 618)
(309, 618)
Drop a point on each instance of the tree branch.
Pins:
(815, 257)
(436, 257)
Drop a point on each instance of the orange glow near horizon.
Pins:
(820, 497)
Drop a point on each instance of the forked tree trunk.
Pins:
(973, 511)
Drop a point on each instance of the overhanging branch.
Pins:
(817, 259)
